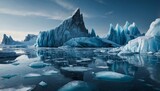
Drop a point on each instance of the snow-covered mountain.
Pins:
(148, 43)
(70, 28)
(121, 35)
(8, 40)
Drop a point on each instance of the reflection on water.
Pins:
(57, 67)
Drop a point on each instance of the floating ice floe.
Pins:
(43, 84)
(31, 75)
(38, 65)
(84, 60)
(50, 72)
(21, 88)
(75, 69)
(113, 76)
(75, 86)
(8, 76)
(15, 64)
(102, 67)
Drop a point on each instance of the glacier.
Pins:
(121, 35)
(70, 28)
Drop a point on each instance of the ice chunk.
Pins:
(113, 76)
(121, 35)
(76, 69)
(102, 67)
(8, 76)
(43, 84)
(31, 75)
(75, 86)
(50, 72)
(15, 64)
(38, 65)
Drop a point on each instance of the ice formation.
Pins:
(8, 40)
(70, 28)
(148, 43)
(121, 35)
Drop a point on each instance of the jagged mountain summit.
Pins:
(121, 35)
(70, 28)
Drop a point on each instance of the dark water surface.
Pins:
(57, 67)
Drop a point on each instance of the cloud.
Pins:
(54, 16)
(65, 4)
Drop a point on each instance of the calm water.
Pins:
(145, 70)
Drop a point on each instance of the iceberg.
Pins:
(8, 40)
(150, 43)
(43, 84)
(113, 76)
(121, 35)
(30, 37)
(29, 40)
(70, 28)
(75, 86)
(38, 65)
(93, 34)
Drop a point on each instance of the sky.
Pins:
(21, 17)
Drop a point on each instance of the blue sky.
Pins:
(20, 17)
